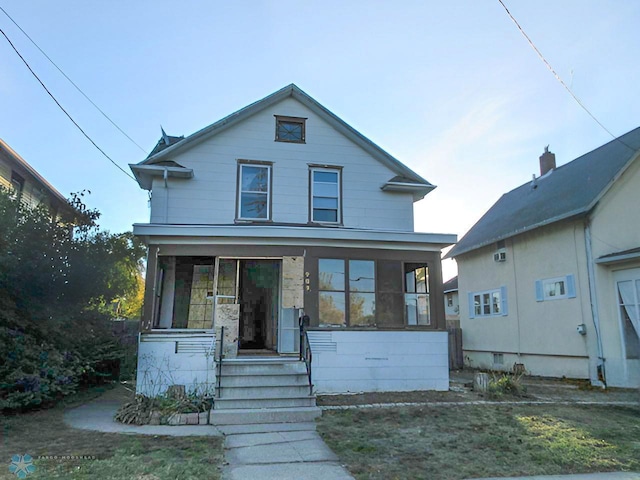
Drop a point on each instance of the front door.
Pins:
(259, 299)
(253, 286)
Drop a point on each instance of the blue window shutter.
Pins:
(571, 286)
(503, 299)
(539, 291)
(471, 309)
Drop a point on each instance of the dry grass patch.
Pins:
(117, 456)
(483, 441)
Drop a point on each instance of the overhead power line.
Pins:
(555, 74)
(72, 82)
(62, 108)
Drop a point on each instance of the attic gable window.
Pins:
(254, 191)
(290, 129)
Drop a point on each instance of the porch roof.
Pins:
(291, 235)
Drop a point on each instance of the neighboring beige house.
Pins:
(451, 302)
(277, 211)
(28, 185)
(549, 277)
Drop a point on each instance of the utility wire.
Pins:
(72, 82)
(62, 108)
(567, 88)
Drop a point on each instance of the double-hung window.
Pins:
(345, 302)
(555, 288)
(489, 303)
(254, 191)
(416, 297)
(325, 195)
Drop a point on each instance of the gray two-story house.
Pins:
(278, 211)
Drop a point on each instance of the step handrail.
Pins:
(305, 348)
(219, 364)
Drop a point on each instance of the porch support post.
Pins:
(146, 322)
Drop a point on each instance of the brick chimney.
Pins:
(547, 161)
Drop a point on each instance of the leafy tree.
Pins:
(57, 284)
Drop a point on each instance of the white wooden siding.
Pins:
(175, 359)
(370, 361)
(210, 197)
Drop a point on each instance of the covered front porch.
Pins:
(220, 295)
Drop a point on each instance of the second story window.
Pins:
(325, 195)
(290, 129)
(254, 191)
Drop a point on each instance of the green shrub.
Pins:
(506, 384)
(56, 291)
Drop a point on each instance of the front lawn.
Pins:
(439, 443)
(117, 456)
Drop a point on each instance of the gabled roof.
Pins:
(56, 198)
(450, 285)
(414, 182)
(567, 191)
(165, 142)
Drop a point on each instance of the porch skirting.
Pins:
(176, 358)
(343, 361)
(372, 361)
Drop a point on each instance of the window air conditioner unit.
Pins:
(500, 257)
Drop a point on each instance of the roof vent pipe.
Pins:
(547, 161)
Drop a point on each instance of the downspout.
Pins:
(594, 305)
(165, 176)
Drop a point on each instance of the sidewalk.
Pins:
(288, 451)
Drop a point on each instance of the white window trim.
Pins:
(339, 185)
(569, 288)
(241, 191)
(502, 295)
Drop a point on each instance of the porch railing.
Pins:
(305, 348)
(219, 365)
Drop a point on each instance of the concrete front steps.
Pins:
(263, 390)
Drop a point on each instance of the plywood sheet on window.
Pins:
(292, 282)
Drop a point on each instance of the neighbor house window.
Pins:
(17, 182)
(325, 195)
(449, 300)
(290, 129)
(416, 297)
(254, 191)
(346, 303)
(489, 303)
(555, 288)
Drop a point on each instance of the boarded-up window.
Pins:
(390, 304)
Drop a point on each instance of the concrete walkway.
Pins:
(285, 451)
(98, 415)
(280, 451)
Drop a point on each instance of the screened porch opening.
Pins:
(184, 293)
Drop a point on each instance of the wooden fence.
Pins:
(456, 360)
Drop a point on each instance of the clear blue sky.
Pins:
(451, 89)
